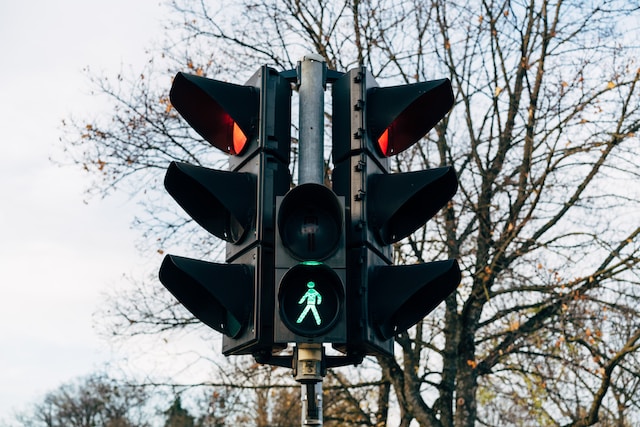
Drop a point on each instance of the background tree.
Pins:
(545, 327)
(94, 401)
(177, 416)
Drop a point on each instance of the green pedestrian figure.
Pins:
(313, 298)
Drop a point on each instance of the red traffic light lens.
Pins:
(383, 142)
(239, 139)
(233, 138)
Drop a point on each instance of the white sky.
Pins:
(57, 253)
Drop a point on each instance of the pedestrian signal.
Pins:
(310, 264)
(310, 296)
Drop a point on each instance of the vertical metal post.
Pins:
(311, 404)
(309, 372)
(312, 78)
(311, 121)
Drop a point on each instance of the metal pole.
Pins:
(312, 76)
(311, 404)
(311, 150)
(309, 373)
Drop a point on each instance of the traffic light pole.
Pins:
(308, 357)
(311, 149)
(308, 372)
(312, 404)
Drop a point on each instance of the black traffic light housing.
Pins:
(251, 123)
(371, 123)
(310, 266)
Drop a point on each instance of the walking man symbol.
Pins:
(312, 298)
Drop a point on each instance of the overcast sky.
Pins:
(58, 254)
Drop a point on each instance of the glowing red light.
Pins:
(383, 142)
(239, 139)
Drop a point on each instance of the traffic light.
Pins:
(310, 266)
(251, 123)
(371, 123)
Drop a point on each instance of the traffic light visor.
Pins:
(400, 203)
(224, 114)
(202, 288)
(222, 202)
(402, 295)
(398, 116)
